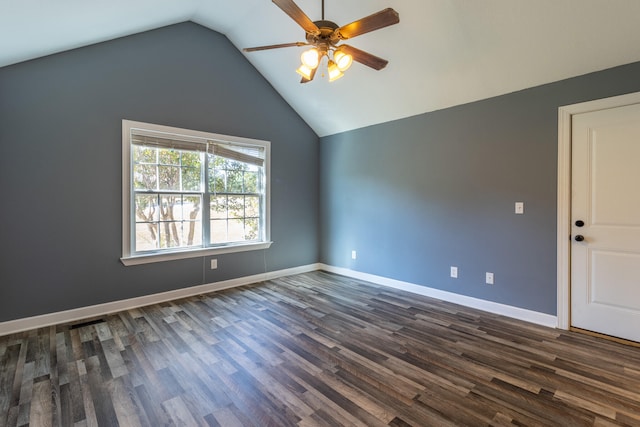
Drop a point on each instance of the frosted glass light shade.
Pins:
(310, 58)
(305, 71)
(343, 60)
(334, 71)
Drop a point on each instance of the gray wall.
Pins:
(412, 196)
(60, 165)
(418, 195)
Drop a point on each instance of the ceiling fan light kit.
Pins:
(325, 36)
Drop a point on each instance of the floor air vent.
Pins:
(88, 323)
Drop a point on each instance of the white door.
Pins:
(605, 224)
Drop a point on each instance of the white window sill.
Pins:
(193, 253)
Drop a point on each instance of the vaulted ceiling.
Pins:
(442, 53)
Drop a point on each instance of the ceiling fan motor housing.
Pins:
(328, 36)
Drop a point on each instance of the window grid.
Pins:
(163, 178)
(162, 219)
(231, 220)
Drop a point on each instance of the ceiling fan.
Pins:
(325, 36)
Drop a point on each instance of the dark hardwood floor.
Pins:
(314, 350)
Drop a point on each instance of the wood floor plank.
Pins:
(41, 410)
(153, 412)
(314, 349)
(124, 406)
(225, 417)
(178, 412)
(89, 410)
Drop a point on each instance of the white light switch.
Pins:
(454, 272)
(354, 255)
(519, 208)
(214, 264)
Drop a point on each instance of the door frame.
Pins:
(565, 114)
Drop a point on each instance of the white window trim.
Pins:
(136, 259)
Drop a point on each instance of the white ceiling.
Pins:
(442, 53)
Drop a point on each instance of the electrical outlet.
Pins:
(214, 264)
(354, 255)
(489, 278)
(454, 272)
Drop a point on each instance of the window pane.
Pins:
(236, 206)
(218, 231)
(234, 181)
(217, 180)
(252, 206)
(236, 230)
(170, 207)
(251, 231)
(169, 157)
(191, 207)
(146, 206)
(191, 179)
(146, 237)
(218, 207)
(192, 233)
(144, 177)
(170, 234)
(169, 177)
(144, 154)
(250, 182)
(218, 162)
(178, 208)
(191, 159)
(233, 165)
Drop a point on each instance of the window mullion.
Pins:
(261, 206)
(206, 204)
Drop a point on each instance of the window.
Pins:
(189, 193)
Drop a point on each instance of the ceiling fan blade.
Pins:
(292, 9)
(378, 20)
(313, 74)
(274, 46)
(365, 58)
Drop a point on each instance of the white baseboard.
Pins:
(19, 325)
(76, 314)
(492, 307)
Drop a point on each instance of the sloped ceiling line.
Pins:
(442, 53)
